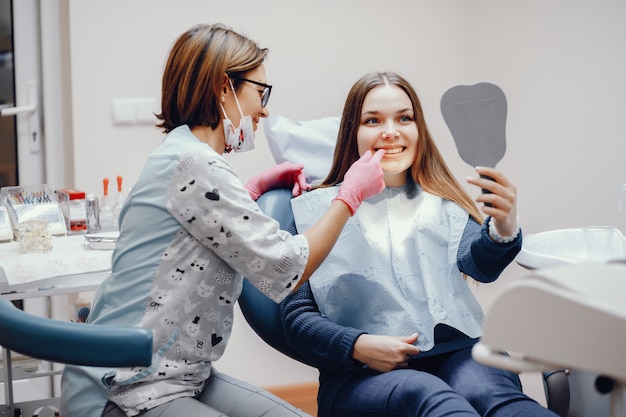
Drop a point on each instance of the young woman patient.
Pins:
(389, 318)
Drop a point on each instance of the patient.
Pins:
(389, 319)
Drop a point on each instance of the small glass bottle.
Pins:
(106, 210)
(93, 214)
(119, 201)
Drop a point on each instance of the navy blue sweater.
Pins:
(328, 346)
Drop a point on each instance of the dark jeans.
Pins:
(452, 384)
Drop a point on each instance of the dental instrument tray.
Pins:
(36, 202)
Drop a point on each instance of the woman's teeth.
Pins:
(393, 151)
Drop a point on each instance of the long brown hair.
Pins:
(195, 71)
(429, 169)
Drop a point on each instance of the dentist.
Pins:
(189, 232)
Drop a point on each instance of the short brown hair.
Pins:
(198, 63)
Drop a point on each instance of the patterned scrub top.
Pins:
(189, 232)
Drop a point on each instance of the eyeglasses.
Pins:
(267, 90)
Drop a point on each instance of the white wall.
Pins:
(120, 55)
(559, 62)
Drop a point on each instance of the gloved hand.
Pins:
(364, 179)
(280, 176)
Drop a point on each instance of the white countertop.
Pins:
(71, 265)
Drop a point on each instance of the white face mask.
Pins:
(240, 139)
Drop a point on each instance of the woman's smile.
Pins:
(392, 151)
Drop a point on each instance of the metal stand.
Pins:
(7, 373)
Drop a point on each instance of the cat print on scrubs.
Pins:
(227, 322)
(193, 327)
(220, 238)
(205, 290)
(160, 296)
(167, 367)
(243, 219)
(169, 318)
(212, 219)
(245, 222)
(256, 265)
(186, 240)
(187, 376)
(187, 186)
(187, 215)
(199, 265)
(176, 277)
(198, 348)
(213, 167)
(234, 254)
(224, 299)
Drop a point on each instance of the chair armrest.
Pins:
(557, 390)
(73, 343)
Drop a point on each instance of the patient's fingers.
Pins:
(500, 200)
(299, 184)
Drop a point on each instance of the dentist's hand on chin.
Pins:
(285, 175)
(502, 195)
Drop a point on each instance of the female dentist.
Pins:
(190, 230)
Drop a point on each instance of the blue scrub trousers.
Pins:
(452, 384)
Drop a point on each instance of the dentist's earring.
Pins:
(223, 99)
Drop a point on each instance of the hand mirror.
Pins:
(476, 117)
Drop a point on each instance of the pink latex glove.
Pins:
(284, 175)
(363, 180)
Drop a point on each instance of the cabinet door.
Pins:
(21, 140)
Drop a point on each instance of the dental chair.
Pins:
(569, 317)
(312, 144)
(65, 343)
(263, 315)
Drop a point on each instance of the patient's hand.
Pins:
(385, 353)
(502, 197)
